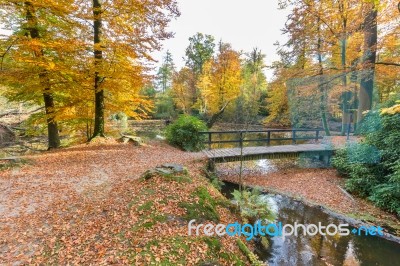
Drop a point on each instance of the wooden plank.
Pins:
(284, 150)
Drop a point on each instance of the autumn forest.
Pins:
(109, 142)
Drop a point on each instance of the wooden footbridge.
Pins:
(266, 151)
(272, 152)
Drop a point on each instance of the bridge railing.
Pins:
(242, 133)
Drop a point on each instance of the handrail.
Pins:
(268, 140)
(261, 131)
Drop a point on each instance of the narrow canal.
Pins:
(320, 250)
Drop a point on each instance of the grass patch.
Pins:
(146, 206)
(148, 221)
(153, 220)
(178, 247)
(12, 163)
(133, 202)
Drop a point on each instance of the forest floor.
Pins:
(88, 205)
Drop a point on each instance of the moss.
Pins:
(213, 244)
(133, 202)
(264, 242)
(153, 220)
(148, 221)
(149, 191)
(176, 247)
(202, 210)
(249, 254)
(178, 178)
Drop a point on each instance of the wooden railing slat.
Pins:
(269, 138)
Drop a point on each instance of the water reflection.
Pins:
(322, 250)
(266, 166)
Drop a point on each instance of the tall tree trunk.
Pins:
(321, 87)
(98, 57)
(52, 128)
(343, 51)
(345, 94)
(353, 79)
(369, 59)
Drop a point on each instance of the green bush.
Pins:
(373, 166)
(184, 133)
(340, 162)
(387, 196)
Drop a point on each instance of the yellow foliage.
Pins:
(395, 109)
(220, 81)
(52, 52)
(183, 89)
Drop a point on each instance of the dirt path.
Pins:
(53, 185)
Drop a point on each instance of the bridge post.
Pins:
(294, 136)
(209, 140)
(317, 135)
(269, 138)
(211, 165)
(325, 157)
(241, 139)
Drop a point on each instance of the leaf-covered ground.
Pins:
(87, 205)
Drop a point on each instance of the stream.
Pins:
(320, 250)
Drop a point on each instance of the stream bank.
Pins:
(320, 250)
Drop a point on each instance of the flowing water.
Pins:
(320, 250)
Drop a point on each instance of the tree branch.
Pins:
(387, 64)
(18, 113)
(5, 53)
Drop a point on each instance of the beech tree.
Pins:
(70, 52)
(124, 35)
(182, 92)
(220, 82)
(31, 66)
(370, 28)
